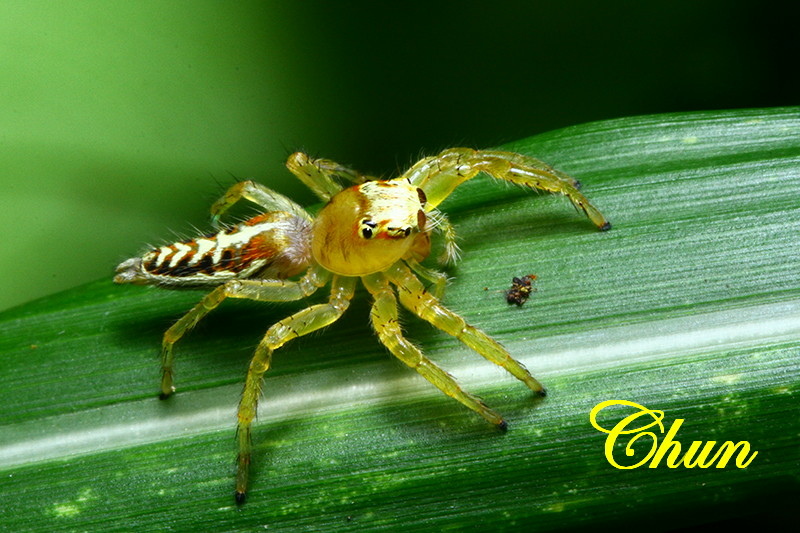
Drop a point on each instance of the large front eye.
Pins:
(368, 228)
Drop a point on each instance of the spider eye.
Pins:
(421, 220)
(367, 227)
(422, 198)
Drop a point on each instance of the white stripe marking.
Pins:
(163, 252)
(183, 249)
(203, 247)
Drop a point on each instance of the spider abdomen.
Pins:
(274, 245)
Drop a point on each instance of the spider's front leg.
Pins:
(299, 324)
(438, 176)
(385, 321)
(265, 290)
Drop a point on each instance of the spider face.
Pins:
(367, 228)
(375, 232)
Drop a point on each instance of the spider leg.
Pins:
(384, 320)
(259, 195)
(415, 298)
(438, 176)
(318, 174)
(438, 279)
(441, 223)
(299, 324)
(265, 290)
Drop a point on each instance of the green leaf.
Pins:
(690, 305)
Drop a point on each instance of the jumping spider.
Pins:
(377, 231)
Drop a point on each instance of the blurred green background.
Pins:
(121, 121)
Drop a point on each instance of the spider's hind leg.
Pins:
(301, 323)
(263, 290)
(260, 195)
(320, 175)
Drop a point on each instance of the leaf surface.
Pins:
(689, 305)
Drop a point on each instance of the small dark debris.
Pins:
(520, 289)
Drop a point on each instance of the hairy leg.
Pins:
(299, 324)
(318, 174)
(437, 279)
(440, 223)
(265, 290)
(438, 176)
(259, 195)
(384, 320)
(415, 298)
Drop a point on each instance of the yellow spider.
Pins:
(375, 230)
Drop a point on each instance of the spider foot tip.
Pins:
(502, 426)
(239, 497)
(606, 226)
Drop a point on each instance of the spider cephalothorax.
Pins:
(377, 231)
(368, 227)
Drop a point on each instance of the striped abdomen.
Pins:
(272, 245)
